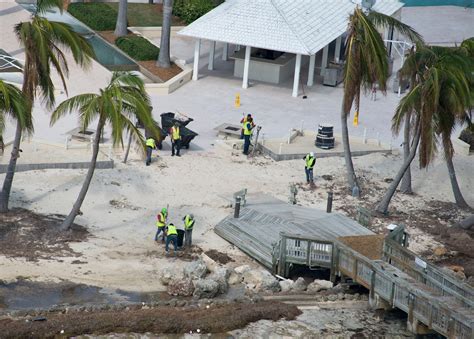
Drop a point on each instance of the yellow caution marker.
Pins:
(237, 100)
(356, 119)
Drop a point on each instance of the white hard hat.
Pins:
(311, 153)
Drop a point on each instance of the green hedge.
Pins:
(96, 15)
(138, 48)
(190, 10)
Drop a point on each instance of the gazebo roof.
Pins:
(295, 26)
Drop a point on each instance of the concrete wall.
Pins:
(107, 164)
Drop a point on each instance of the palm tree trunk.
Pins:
(405, 186)
(460, 202)
(8, 181)
(164, 56)
(121, 25)
(382, 207)
(128, 149)
(351, 177)
(67, 223)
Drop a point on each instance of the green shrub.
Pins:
(138, 48)
(190, 10)
(96, 15)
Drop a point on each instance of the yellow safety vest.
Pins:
(150, 142)
(244, 121)
(247, 128)
(172, 230)
(175, 133)
(161, 223)
(188, 223)
(310, 161)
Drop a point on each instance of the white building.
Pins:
(278, 36)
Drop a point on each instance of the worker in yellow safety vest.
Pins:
(310, 160)
(242, 123)
(161, 224)
(150, 146)
(171, 236)
(188, 229)
(248, 126)
(175, 134)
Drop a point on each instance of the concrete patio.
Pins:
(210, 101)
(280, 149)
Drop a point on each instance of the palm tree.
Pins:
(439, 100)
(405, 186)
(164, 56)
(121, 25)
(14, 105)
(119, 104)
(366, 64)
(43, 41)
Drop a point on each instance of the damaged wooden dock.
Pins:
(258, 228)
(279, 235)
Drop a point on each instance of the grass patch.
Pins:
(145, 15)
(103, 16)
(190, 10)
(98, 16)
(138, 48)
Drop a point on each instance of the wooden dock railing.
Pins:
(432, 299)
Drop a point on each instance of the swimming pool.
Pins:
(462, 3)
(108, 56)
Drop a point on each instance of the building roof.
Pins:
(296, 26)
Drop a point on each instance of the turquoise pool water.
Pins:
(462, 3)
(105, 54)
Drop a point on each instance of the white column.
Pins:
(212, 52)
(296, 81)
(324, 61)
(312, 60)
(245, 81)
(197, 52)
(225, 51)
(337, 52)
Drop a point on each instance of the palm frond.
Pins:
(83, 103)
(386, 21)
(43, 5)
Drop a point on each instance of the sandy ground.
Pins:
(121, 252)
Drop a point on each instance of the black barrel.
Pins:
(325, 136)
(326, 130)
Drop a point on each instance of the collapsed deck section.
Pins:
(257, 230)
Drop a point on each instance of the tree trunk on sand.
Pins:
(460, 202)
(67, 223)
(8, 181)
(164, 56)
(351, 177)
(125, 158)
(467, 223)
(405, 186)
(121, 25)
(382, 207)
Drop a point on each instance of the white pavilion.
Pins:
(273, 38)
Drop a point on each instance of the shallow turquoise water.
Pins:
(462, 3)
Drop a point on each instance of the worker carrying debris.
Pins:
(171, 236)
(150, 146)
(175, 134)
(161, 224)
(188, 229)
(310, 160)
